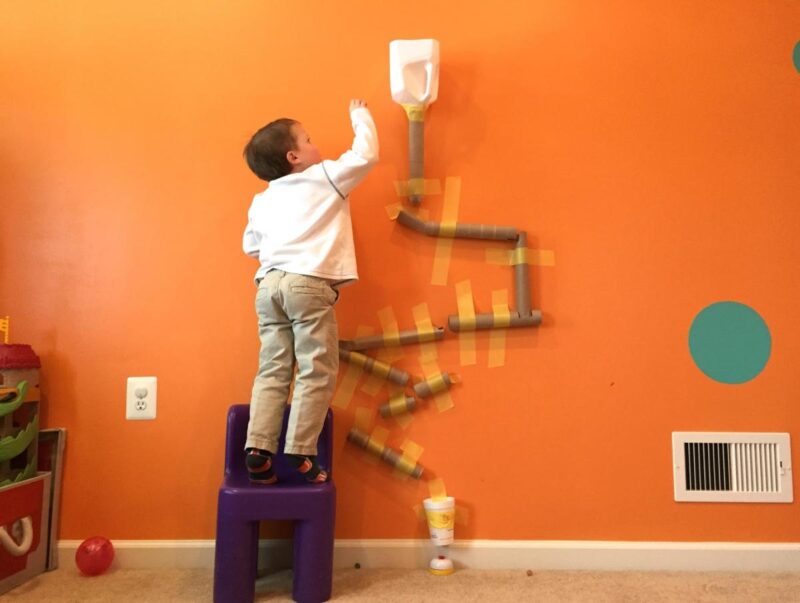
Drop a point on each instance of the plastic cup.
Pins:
(441, 513)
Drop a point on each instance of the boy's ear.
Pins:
(292, 157)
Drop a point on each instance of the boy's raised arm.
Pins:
(351, 168)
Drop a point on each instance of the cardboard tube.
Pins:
(398, 404)
(403, 338)
(522, 282)
(389, 455)
(492, 321)
(458, 231)
(416, 159)
(433, 385)
(376, 367)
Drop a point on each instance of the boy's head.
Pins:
(281, 147)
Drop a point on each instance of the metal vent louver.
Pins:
(732, 467)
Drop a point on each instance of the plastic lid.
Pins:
(18, 356)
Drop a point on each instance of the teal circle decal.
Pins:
(796, 57)
(730, 342)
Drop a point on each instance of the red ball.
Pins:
(94, 555)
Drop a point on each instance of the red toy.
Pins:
(94, 555)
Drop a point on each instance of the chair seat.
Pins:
(275, 501)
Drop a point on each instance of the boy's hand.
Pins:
(357, 103)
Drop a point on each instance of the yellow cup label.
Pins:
(441, 519)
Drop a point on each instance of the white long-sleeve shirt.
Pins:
(301, 222)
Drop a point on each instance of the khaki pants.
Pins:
(296, 323)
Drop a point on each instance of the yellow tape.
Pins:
(519, 256)
(534, 257)
(441, 261)
(414, 112)
(347, 386)
(422, 319)
(393, 210)
(404, 420)
(437, 489)
(397, 404)
(466, 317)
(363, 418)
(497, 336)
(462, 515)
(437, 383)
(412, 450)
(391, 334)
(443, 400)
(444, 245)
(4, 322)
(502, 315)
(447, 229)
(418, 186)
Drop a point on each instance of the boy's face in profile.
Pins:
(304, 154)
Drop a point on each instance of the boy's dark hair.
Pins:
(266, 151)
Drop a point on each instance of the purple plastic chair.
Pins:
(242, 505)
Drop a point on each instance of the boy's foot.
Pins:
(307, 465)
(259, 466)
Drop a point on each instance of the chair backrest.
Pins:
(238, 418)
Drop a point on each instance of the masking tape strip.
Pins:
(466, 316)
(519, 256)
(462, 515)
(404, 420)
(444, 245)
(443, 399)
(397, 404)
(363, 418)
(507, 257)
(414, 112)
(412, 450)
(447, 229)
(418, 186)
(437, 489)
(347, 386)
(497, 336)
(391, 333)
(393, 210)
(422, 320)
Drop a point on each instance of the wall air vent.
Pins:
(732, 467)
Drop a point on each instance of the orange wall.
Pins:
(651, 145)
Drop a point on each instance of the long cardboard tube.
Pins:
(492, 321)
(522, 281)
(401, 338)
(416, 157)
(388, 455)
(376, 367)
(459, 231)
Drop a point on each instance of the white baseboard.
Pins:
(479, 554)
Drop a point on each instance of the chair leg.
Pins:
(313, 559)
(235, 561)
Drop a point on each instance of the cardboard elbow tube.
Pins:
(459, 231)
(376, 367)
(402, 338)
(388, 455)
(491, 321)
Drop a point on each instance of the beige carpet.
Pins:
(378, 585)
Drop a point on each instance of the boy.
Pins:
(300, 230)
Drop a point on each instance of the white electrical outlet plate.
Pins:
(140, 402)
